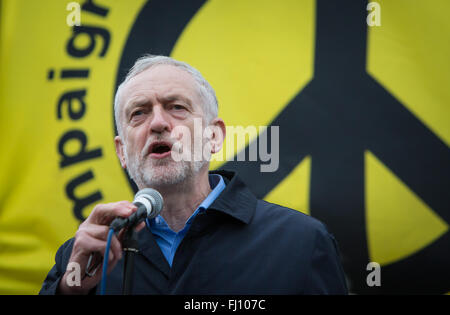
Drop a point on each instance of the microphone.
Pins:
(149, 204)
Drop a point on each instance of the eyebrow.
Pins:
(135, 102)
(142, 100)
(176, 97)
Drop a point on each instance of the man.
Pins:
(213, 235)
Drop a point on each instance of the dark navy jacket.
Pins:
(240, 245)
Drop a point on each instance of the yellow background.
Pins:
(266, 57)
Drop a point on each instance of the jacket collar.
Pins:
(236, 200)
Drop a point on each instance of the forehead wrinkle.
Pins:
(141, 82)
(136, 101)
(174, 96)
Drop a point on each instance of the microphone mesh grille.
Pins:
(155, 199)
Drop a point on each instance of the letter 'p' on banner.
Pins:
(360, 112)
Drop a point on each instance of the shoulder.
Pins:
(277, 214)
(50, 284)
(290, 225)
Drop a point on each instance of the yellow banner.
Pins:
(60, 62)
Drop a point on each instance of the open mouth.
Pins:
(160, 149)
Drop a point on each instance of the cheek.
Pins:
(134, 143)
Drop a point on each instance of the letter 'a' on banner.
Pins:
(363, 140)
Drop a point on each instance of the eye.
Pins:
(178, 107)
(136, 113)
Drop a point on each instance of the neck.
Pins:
(182, 199)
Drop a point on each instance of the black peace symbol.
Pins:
(338, 115)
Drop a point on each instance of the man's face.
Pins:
(154, 104)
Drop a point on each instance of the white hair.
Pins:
(207, 93)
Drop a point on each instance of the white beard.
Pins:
(148, 172)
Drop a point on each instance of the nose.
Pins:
(159, 121)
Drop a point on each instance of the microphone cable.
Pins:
(105, 262)
(151, 201)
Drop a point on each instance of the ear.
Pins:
(219, 131)
(119, 151)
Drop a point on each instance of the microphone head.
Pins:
(154, 197)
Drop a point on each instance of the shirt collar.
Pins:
(229, 195)
(217, 185)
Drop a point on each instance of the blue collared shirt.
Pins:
(169, 240)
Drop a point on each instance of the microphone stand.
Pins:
(130, 247)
